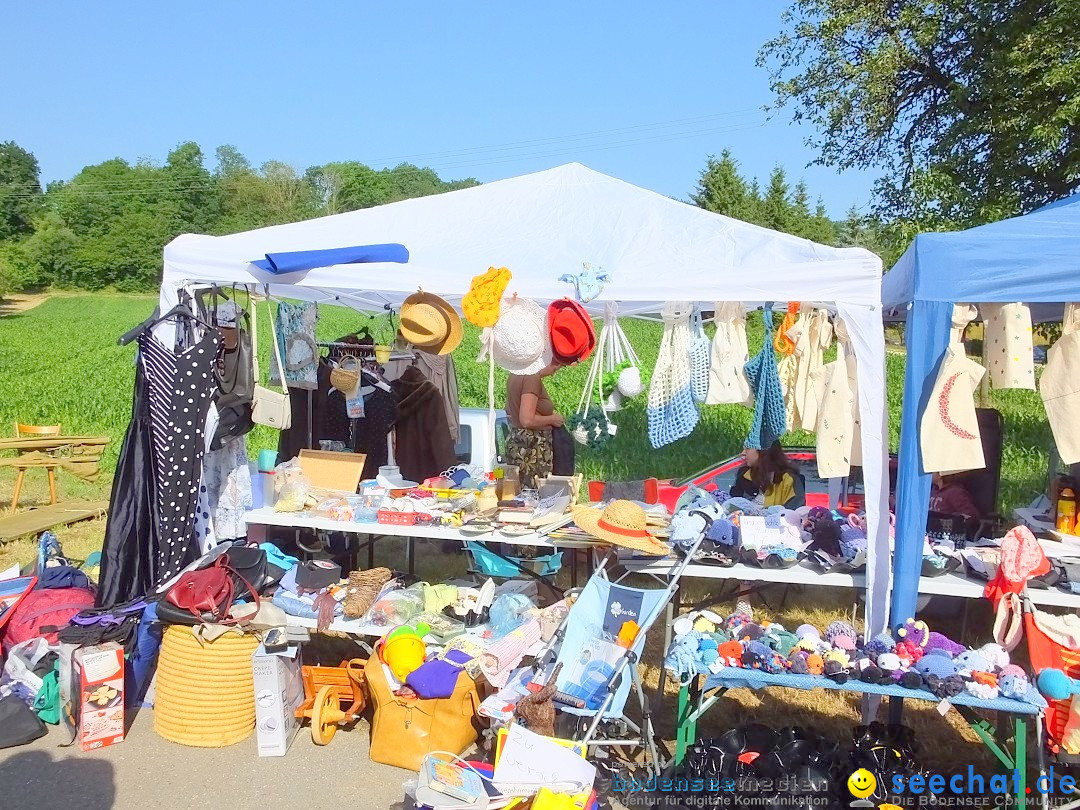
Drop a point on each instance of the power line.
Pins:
(552, 141)
(161, 184)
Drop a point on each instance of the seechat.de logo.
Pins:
(862, 784)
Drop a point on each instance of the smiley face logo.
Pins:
(862, 783)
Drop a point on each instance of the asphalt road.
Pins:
(146, 771)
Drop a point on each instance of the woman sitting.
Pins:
(949, 496)
(769, 478)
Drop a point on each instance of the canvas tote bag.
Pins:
(268, 407)
(949, 428)
(836, 420)
(1060, 386)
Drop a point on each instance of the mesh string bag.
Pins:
(699, 357)
(672, 412)
(770, 420)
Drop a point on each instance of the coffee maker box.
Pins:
(92, 693)
(279, 692)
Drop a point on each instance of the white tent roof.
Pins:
(541, 226)
(547, 224)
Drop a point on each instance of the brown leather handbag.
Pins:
(406, 729)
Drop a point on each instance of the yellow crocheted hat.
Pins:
(481, 303)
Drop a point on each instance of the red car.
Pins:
(722, 476)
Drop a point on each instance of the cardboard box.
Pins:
(279, 691)
(338, 472)
(92, 693)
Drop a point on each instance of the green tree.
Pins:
(20, 190)
(51, 252)
(721, 189)
(189, 191)
(776, 209)
(977, 101)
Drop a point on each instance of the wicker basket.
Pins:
(205, 696)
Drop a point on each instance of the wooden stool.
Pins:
(30, 432)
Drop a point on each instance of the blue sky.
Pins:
(643, 91)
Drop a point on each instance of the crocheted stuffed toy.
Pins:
(971, 661)
(909, 653)
(881, 643)
(997, 655)
(780, 639)
(837, 666)
(842, 636)
(730, 653)
(815, 664)
(804, 631)
(757, 656)
(1018, 687)
(914, 631)
(797, 662)
(942, 643)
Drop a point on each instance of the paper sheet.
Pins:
(529, 762)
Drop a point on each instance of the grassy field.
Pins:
(59, 363)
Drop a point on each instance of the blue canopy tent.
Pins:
(1033, 258)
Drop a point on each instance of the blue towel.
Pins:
(770, 420)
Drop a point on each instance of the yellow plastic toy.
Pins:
(404, 650)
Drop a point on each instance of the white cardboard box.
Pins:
(279, 690)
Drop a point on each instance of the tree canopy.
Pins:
(107, 225)
(721, 188)
(970, 108)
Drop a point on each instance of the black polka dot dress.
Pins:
(180, 389)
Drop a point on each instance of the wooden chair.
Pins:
(35, 432)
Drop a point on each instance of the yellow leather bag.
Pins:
(405, 730)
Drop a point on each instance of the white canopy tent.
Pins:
(546, 224)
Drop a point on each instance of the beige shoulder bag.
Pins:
(269, 407)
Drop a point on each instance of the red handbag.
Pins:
(208, 593)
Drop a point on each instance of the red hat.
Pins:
(573, 337)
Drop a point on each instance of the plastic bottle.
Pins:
(1066, 511)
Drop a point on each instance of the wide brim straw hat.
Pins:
(573, 336)
(620, 523)
(430, 324)
(480, 304)
(519, 339)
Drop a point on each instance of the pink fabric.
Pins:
(1021, 558)
(506, 653)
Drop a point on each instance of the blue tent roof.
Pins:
(1033, 258)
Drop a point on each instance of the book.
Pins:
(515, 514)
(454, 780)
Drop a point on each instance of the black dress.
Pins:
(131, 529)
(150, 535)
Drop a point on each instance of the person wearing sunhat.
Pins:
(532, 346)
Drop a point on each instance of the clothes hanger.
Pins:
(180, 310)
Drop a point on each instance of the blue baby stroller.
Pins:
(598, 645)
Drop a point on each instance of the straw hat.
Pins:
(481, 303)
(621, 523)
(573, 336)
(430, 324)
(519, 339)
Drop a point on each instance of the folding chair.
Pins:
(600, 674)
(982, 485)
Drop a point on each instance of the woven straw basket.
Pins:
(205, 695)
